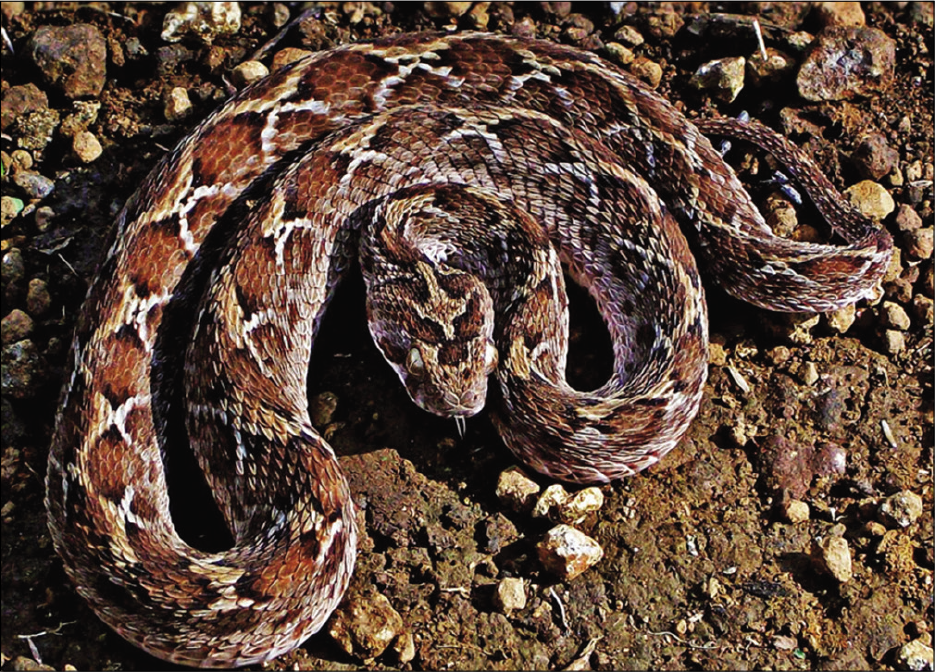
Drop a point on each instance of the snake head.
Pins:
(435, 328)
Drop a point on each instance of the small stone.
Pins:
(551, 498)
(907, 219)
(15, 326)
(23, 368)
(19, 101)
(844, 62)
(204, 20)
(901, 509)
(247, 73)
(648, 71)
(894, 341)
(516, 490)
(893, 316)
(872, 199)
(922, 308)
(444, 10)
(567, 553)
(10, 207)
(773, 70)
(918, 243)
(833, 556)
(22, 160)
(86, 147)
(840, 14)
(629, 35)
(12, 268)
(510, 595)
(72, 58)
(35, 186)
(44, 217)
(799, 327)
(874, 529)
(785, 643)
(619, 53)
(874, 158)
(37, 297)
(178, 105)
(405, 647)
(577, 507)
(843, 318)
(795, 511)
(896, 550)
(809, 373)
(916, 655)
(722, 77)
(366, 626)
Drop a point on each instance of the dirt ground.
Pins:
(702, 567)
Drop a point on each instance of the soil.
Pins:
(701, 566)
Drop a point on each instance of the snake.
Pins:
(465, 175)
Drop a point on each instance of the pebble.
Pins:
(559, 506)
(19, 101)
(906, 218)
(22, 367)
(795, 511)
(510, 595)
(516, 490)
(844, 62)
(894, 341)
(204, 20)
(894, 316)
(874, 158)
(86, 147)
(37, 297)
(34, 185)
(178, 104)
(567, 553)
(840, 14)
(648, 71)
(366, 626)
(15, 326)
(833, 556)
(444, 10)
(247, 73)
(12, 268)
(629, 36)
(901, 509)
(872, 199)
(774, 69)
(916, 655)
(723, 77)
(809, 373)
(918, 244)
(842, 319)
(922, 307)
(71, 58)
(10, 207)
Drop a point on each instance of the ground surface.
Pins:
(701, 568)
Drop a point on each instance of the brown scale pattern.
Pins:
(561, 153)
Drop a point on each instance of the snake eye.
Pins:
(414, 363)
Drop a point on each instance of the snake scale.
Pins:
(464, 172)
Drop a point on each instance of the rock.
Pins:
(922, 308)
(774, 69)
(551, 498)
(840, 14)
(629, 36)
(72, 58)
(901, 509)
(559, 506)
(648, 71)
(22, 369)
(874, 158)
(918, 244)
(906, 218)
(893, 316)
(37, 297)
(15, 326)
(722, 77)
(12, 268)
(444, 10)
(872, 199)
(842, 319)
(10, 207)
(567, 553)
(516, 490)
(844, 62)
(178, 105)
(833, 556)
(916, 655)
(247, 73)
(795, 511)
(894, 341)
(203, 20)
(364, 627)
(790, 467)
(19, 101)
(34, 185)
(510, 595)
(86, 147)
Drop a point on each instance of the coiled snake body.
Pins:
(523, 155)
